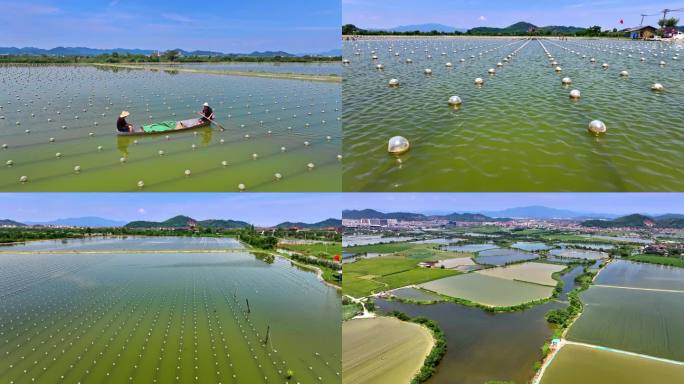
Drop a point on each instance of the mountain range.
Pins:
(373, 214)
(85, 51)
(519, 28)
(428, 27)
(523, 27)
(181, 221)
(541, 212)
(87, 221)
(12, 223)
(639, 221)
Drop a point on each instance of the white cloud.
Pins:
(141, 211)
(482, 18)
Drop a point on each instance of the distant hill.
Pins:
(521, 28)
(638, 221)
(182, 221)
(85, 51)
(541, 212)
(8, 222)
(328, 223)
(87, 221)
(373, 214)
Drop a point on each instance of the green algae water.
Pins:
(231, 317)
(56, 118)
(519, 131)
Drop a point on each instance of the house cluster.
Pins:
(394, 223)
(665, 249)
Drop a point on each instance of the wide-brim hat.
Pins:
(124, 114)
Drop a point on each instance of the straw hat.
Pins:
(206, 104)
(124, 114)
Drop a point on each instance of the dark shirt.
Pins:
(121, 124)
(207, 111)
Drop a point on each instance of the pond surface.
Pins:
(574, 253)
(470, 247)
(502, 256)
(635, 240)
(415, 294)
(302, 117)
(641, 275)
(353, 240)
(530, 246)
(201, 317)
(520, 131)
(129, 243)
(304, 68)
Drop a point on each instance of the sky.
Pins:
(231, 26)
(612, 203)
(261, 209)
(501, 13)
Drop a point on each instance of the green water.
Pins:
(519, 131)
(137, 243)
(641, 275)
(166, 318)
(646, 322)
(300, 68)
(502, 256)
(294, 111)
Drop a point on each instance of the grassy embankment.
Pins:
(657, 259)
(319, 256)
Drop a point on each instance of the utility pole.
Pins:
(642, 19)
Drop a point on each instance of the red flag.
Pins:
(622, 21)
(337, 258)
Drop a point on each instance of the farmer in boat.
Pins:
(207, 113)
(121, 123)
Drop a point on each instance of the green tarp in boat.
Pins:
(160, 127)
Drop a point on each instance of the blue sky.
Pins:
(256, 208)
(616, 203)
(301, 26)
(501, 13)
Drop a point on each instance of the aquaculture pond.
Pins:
(57, 131)
(641, 275)
(519, 130)
(129, 243)
(304, 68)
(229, 317)
(353, 240)
(410, 293)
(596, 246)
(483, 346)
(578, 254)
(530, 246)
(502, 256)
(470, 247)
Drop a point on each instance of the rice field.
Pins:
(488, 290)
(57, 131)
(165, 318)
(503, 256)
(634, 320)
(580, 364)
(383, 350)
(513, 125)
(537, 273)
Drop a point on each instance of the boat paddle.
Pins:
(217, 124)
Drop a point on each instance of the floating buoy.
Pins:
(558, 69)
(394, 83)
(255, 156)
(77, 169)
(624, 74)
(448, 64)
(283, 149)
(657, 87)
(23, 179)
(58, 155)
(161, 153)
(141, 184)
(455, 101)
(241, 187)
(9, 163)
(188, 172)
(491, 71)
(379, 67)
(479, 81)
(566, 81)
(339, 157)
(52, 140)
(278, 176)
(310, 166)
(224, 163)
(122, 160)
(604, 65)
(398, 145)
(575, 94)
(597, 127)
(99, 148)
(428, 71)
(306, 143)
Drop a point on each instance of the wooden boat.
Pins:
(181, 126)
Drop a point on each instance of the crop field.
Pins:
(641, 275)
(537, 273)
(380, 248)
(368, 276)
(580, 364)
(488, 290)
(578, 254)
(165, 318)
(634, 320)
(57, 131)
(383, 350)
(502, 256)
(518, 130)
